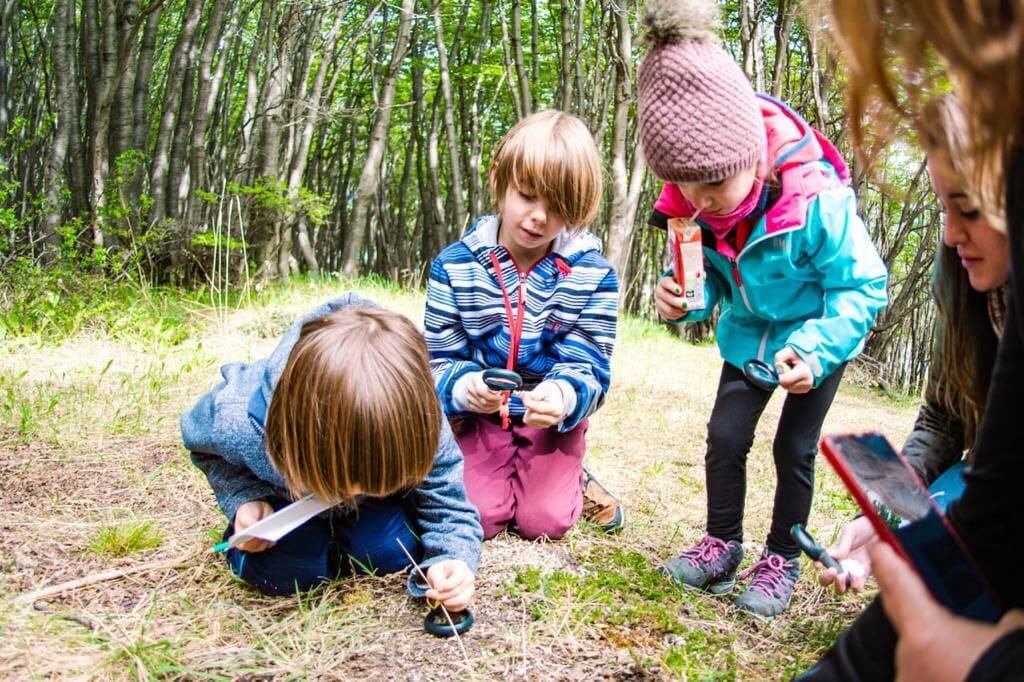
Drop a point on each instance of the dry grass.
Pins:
(92, 443)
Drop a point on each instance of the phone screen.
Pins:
(884, 474)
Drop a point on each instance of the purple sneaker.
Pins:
(709, 565)
(772, 587)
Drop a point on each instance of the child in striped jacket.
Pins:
(528, 290)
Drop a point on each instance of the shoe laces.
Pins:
(706, 551)
(769, 575)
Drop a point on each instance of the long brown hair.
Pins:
(355, 409)
(965, 345)
(896, 51)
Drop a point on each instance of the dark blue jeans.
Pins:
(323, 549)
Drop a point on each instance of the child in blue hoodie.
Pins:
(787, 261)
(344, 408)
(528, 290)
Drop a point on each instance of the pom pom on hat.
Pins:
(699, 117)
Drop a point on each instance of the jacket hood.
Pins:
(482, 237)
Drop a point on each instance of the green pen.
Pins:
(222, 547)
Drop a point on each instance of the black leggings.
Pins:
(738, 407)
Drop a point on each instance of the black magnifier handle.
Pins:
(813, 549)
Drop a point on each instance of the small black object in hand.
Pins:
(761, 374)
(502, 379)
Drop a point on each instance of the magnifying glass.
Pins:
(502, 379)
(761, 374)
(436, 622)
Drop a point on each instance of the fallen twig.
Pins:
(100, 577)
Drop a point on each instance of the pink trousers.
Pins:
(528, 478)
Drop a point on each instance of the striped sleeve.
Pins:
(584, 355)
(447, 341)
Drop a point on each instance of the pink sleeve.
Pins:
(672, 203)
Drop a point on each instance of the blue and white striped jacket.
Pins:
(571, 300)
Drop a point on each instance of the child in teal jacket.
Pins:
(788, 264)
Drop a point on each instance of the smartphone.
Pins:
(870, 468)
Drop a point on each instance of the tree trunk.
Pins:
(783, 27)
(750, 43)
(459, 213)
(64, 84)
(169, 112)
(267, 214)
(625, 186)
(122, 113)
(477, 191)
(567, 61)
(299, 162)
(112, 74)
(518, 61)
(209, 86)
(7, 9)
(821, 80)
(370, 176)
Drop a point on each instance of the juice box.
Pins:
(684, 243)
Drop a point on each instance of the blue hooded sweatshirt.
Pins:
(224, 432)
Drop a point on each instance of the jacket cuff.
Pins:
(1001, 661)
(460, 392)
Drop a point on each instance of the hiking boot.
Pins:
(600, 507)
(709, 565)
(772, 587)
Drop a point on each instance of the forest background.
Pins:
(180, 179)
(221, 145)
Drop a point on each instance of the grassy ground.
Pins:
(94, 478)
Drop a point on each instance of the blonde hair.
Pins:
(897, 52)
(551, 153)
(355, 409)
(944, 129)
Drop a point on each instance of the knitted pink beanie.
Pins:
(699, 118)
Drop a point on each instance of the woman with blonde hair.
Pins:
(890, 47)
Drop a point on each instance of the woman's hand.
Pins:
(479, 395)
(795, 375)
(933, 643)
(545, 405)
(451, 583)
(668, 299)
(852, 545)
(248, 514)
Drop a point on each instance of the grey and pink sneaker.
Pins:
(769, 592)
(709, 565)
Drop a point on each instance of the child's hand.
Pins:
(452, 584)
(795, 375)
(248, 514)
(545, 405)
(668, 299)
(853, 542)
(480, 397)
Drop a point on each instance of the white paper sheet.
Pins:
(283, 521)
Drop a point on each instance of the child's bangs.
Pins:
(560, 172)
